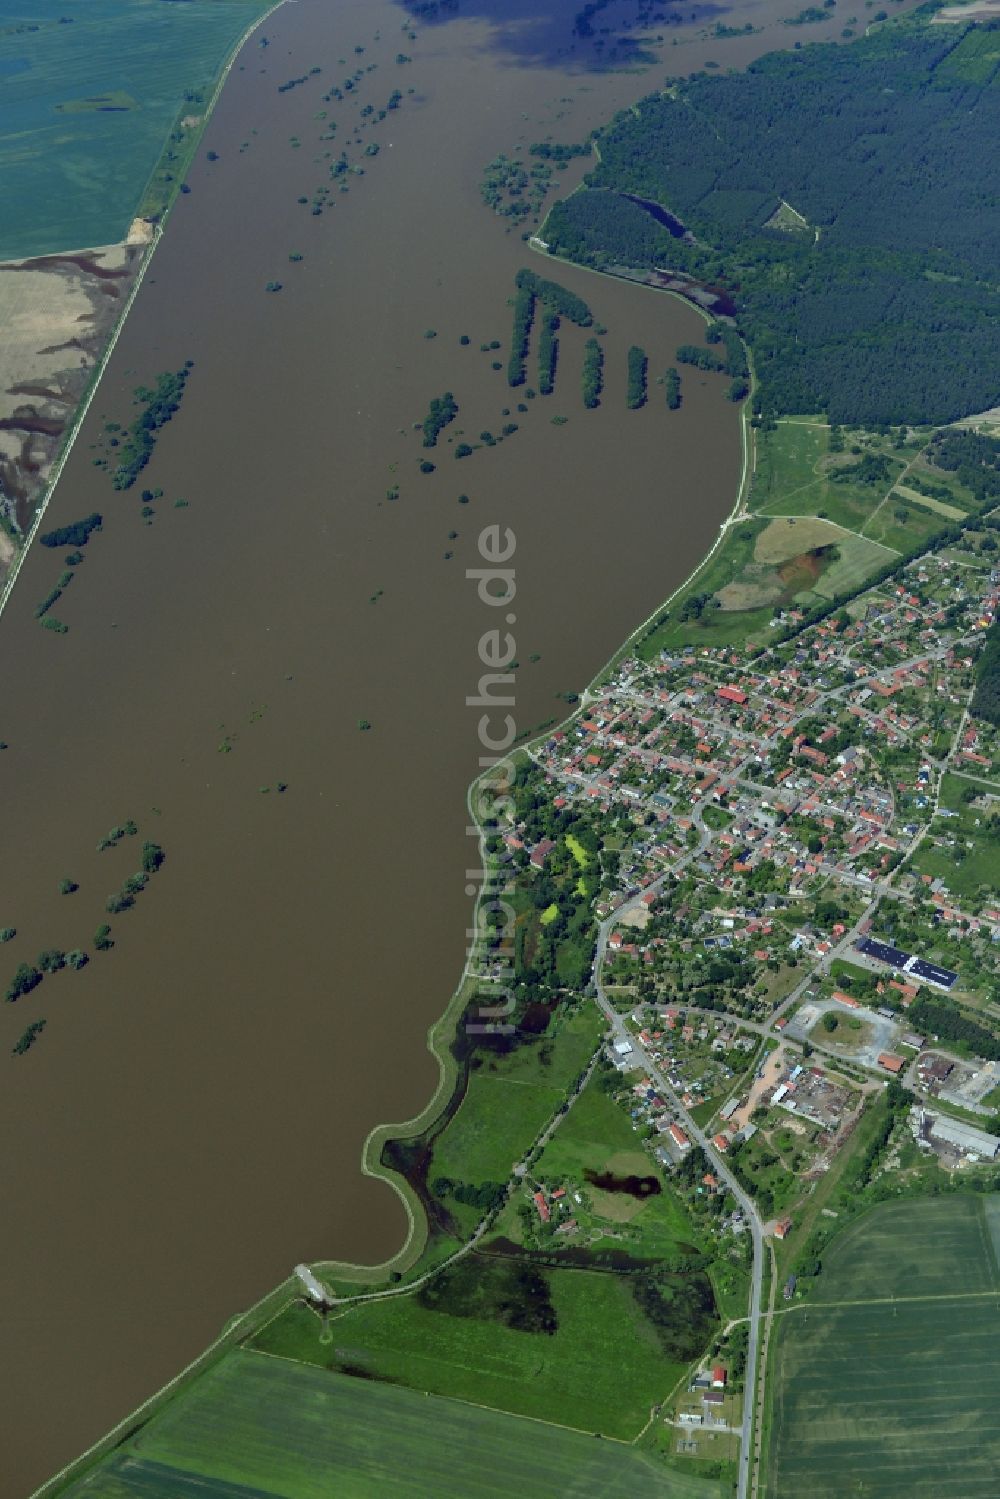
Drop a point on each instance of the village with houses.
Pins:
(799, 916)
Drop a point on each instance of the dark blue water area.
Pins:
(669, 222)
(11, 65)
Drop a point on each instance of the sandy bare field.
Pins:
(56, 312)
(984, 11)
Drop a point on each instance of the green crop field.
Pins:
(886, 1382)
(88, 103)
(256, 1427)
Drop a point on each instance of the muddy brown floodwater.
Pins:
(190, 1123)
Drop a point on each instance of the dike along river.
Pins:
(189, 1124)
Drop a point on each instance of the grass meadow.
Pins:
(885, 1382)
(575, 1376)
(256, 1427)
(508, 1102)
(597, 1135)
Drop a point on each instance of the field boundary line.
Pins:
(805, 1306)
(811, 515)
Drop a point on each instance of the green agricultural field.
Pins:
(900, 525)
(885, 1382)
(262, 1427)
(88, 103)
(529, 1339)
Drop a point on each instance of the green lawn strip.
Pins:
(953, 788)
(576, 1375)
(701, 1113)
(286, 1429)
(731, 1284)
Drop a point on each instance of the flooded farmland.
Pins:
(190, 1122)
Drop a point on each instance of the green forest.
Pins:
(986, 697)
(843, 198)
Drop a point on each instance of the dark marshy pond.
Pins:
(673, 225)
(632, 1186)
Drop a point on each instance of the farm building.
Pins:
(965, 1137)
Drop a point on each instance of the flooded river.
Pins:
(189, 1124)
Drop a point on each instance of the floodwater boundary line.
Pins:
(748, 469)
(441, 1033)
(439, 1037)
(98, 372)
(196, 135)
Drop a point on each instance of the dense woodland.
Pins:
(973, 458)
(875, 298)
(942, 1018)
(986, 698)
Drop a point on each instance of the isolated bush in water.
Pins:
(25, 979)
(77, 534)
